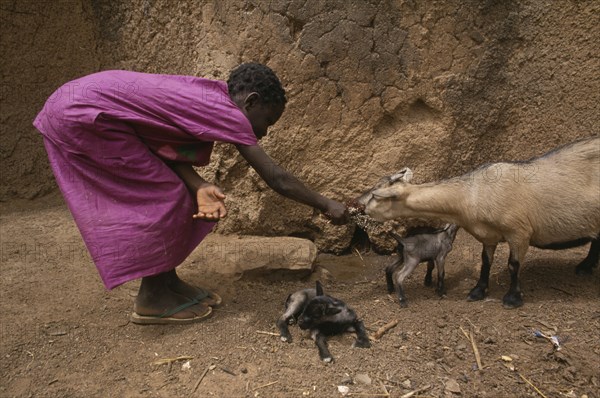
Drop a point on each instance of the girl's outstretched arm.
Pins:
(286, 184)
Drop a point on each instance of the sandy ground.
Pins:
(63, 335)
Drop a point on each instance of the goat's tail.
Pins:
(400, 246)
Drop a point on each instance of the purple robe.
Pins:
(110, 137)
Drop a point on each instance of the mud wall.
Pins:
(44, 44)
(373, 86)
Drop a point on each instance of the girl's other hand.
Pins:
(336, 212)
(211, 205)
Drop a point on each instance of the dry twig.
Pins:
(265, 385)
(228, 371)
(414, 392)
(471, 338)
(385, 391)
(561, 290)
(382, 330)
(359, 255)
(202, 377)
(171, 360)
(531, 384)
(268, 333)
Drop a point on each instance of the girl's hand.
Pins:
(336, 212)
(211, 205)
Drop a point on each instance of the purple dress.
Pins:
(110, 137)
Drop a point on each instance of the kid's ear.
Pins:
(319, 289)
(330, 310)
(251, 100)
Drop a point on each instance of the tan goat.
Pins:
(550, 202)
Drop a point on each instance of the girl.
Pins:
(122, 146)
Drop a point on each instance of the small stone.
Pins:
(460, 347)
(344, 390)
(244, 370)
(363, 379)
(452, 386)
(346, 380)
(489, 340)
(407, 384)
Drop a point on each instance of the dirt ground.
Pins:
(63, 335)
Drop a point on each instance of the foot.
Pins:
(159, 303)
(477, 293)
(182, 288)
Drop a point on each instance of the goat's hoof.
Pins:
(476, 294)
(403, 304)
(361, 344)
(441, 292)
(428, 282)
(512, 300)
(286, 339)
(584, 269)
(328, 359)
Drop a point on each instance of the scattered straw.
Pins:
(202, 377)
(267, 333)
(417, 391)
(171, 360)
(266, 385)
(471, 338)
(531, 384)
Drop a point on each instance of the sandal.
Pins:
(167, 319)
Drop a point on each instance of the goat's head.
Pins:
(389, 203)
(402, 176)
(320, 309)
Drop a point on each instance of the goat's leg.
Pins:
(362, 339)
(389, 273)
(291, 312)
(441, 287)
(428, 278)
(409, 266)
(514, 298)
(321, 342)
(487, 258)
(591, 261)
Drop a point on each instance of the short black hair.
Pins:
(254, 77)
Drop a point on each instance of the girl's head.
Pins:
(258, 93)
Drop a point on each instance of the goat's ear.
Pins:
(405, 175)
(319, 289)
(332, 310)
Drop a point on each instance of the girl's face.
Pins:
(260, 115)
